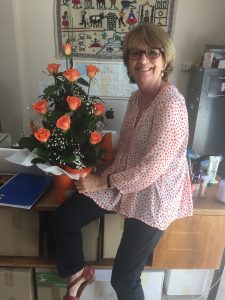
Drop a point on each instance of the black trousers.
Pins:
(136, 246)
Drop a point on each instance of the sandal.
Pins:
(88, 274)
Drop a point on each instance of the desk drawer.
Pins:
(191, 243)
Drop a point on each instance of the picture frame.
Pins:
(96, 28)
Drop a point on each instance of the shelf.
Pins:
(39, 262)
(26, 262)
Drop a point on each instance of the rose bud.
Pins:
(91, 71)
(67, 49)
(53, 68)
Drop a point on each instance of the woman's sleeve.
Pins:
(169, 136)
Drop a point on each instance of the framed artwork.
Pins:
(96, 28)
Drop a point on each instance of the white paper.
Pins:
(25, 157)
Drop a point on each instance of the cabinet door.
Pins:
(191, 243)
(193, 99)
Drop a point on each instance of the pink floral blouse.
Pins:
(150, 171)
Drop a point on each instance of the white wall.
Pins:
(27, 46)
(10, 100)
(197, 23)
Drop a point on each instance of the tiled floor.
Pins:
(220, 293)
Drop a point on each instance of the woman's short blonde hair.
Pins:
(152, 36)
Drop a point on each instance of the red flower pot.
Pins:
(64, 185)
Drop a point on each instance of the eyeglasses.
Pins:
(149, 53)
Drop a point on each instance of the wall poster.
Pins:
(96, 28)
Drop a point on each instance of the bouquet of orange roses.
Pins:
(70, 134)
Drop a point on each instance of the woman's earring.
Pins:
(162, 73)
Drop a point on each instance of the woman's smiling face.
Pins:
(146, 71)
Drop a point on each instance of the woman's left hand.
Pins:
(91, 183)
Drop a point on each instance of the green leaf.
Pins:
(82, 81)
(80, 137)
(38, 161)
(68, 157)
(42, 153)
(51, 89)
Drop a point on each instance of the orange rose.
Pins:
(63, 123)
(73, 102)
(67, 48)
(91, 71)
(71, 74)
(40, 106)
(95, 137)
(42, 135)
(99, 108)
(53, 68)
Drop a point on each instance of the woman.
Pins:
(148, 181)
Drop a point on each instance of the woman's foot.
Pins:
(78, 282)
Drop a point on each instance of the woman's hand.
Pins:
(91, 183)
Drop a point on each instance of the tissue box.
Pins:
(5, 140)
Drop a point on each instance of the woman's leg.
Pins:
(66, 224)
(137, 243)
